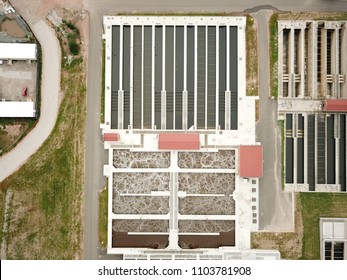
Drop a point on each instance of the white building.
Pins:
(17, 51)
(10, 52)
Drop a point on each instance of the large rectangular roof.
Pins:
(251, 161)
(179, 141)
(173, 73)
(18, 51)
(14, 109)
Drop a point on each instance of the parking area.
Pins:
(15, 77)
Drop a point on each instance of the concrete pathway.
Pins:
(50, 89)
(275, 206)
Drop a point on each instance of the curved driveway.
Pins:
(50, 88)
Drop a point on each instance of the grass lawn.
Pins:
(47, 205)
(304, 242)
(8, 141)
(103, 203)
(315, 206)
(252, 57)
(273, 29)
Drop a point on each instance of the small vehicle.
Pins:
(25, 91)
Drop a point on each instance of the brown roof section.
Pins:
(251, 161)
(111, 136)
(179, 141)
(335, 105)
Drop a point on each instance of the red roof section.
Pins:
(335, 105)
(251, 161)
(111, 136)
(179, 141)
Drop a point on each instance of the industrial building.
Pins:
(13, 102)
(315, 152)
(183, 164)
(312, 94)
(18, 51)
(312, 59)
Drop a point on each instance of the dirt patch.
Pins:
(13, 130)
(288, 243)
(312, 16)
(207, 241)
(34, 10)
(12, 28)
(11, 133)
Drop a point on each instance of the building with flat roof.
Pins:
(312, 92)
(18, 51)
(13, 109)
(175, 95)
(251, 161)
(15, 102)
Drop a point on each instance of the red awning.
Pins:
(111, 136)
(179, 141)
(251, 161)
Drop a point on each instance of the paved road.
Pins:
(275, 206)
(94, 147)
(108, 6)
(10, 162)
(94, 151)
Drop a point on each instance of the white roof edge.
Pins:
(17, 109)
(20, 51)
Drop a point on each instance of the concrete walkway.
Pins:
(50, 88)
(275, 206)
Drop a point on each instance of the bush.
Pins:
(74, 47)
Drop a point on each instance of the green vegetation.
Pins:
(252, 57)
(72, 38)
(2, 210)
(103, 202)
(102, 110)
(288, 243)
(75, 62)
(273, 55)
(304, 242)
(69, 37)
(46, 209)
(315, 206)
(74, 47)
(71, 26)
(281, 124)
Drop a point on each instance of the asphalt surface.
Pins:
(50, 89)
(94, 180)
(94, 150)
(275, 206)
